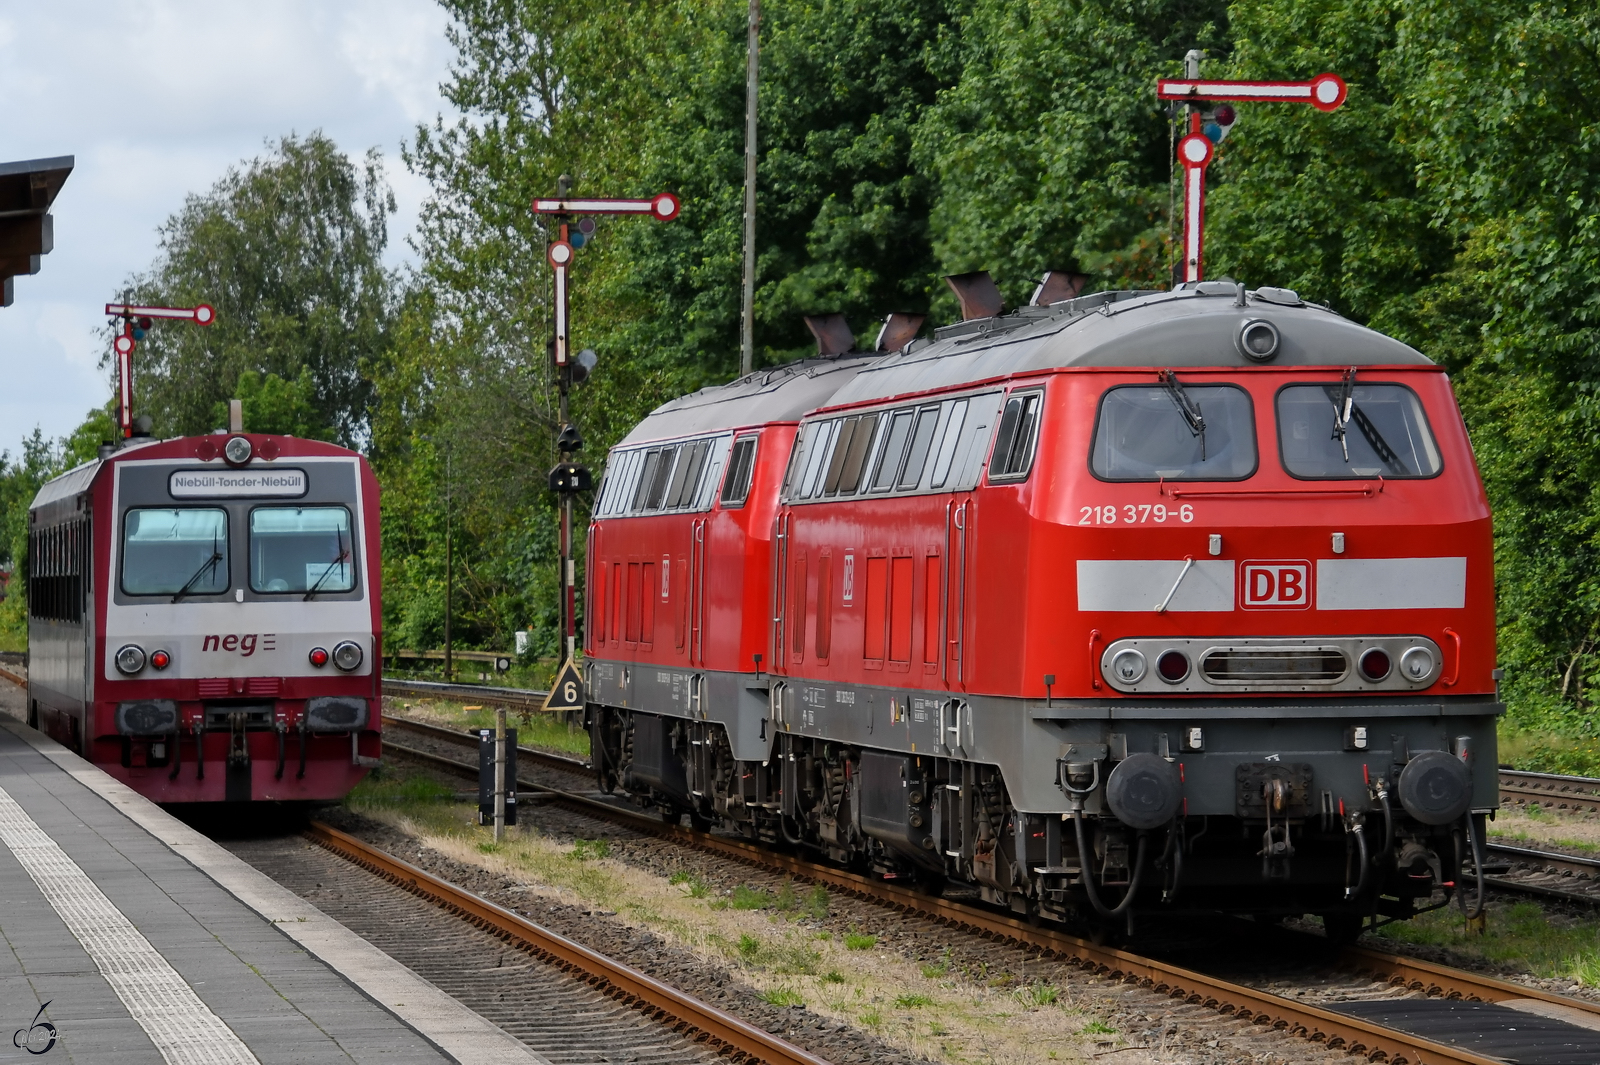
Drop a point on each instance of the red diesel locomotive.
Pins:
(204, 617)
(1132, 600)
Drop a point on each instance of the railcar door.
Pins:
(959, 513)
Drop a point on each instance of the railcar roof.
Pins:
(1192, 326)
(778, 394)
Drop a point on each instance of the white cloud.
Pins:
(156, 99)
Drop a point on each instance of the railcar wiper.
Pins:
(208, 564)
(338, 560)
(1186, 407)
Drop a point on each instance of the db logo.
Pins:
(1281, 584)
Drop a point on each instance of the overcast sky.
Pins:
(156, 99)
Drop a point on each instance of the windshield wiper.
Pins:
(1186, 407)
(338, 560)
(1343, 406)
(208, 564)
(1345, 411)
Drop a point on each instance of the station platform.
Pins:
(131, 938)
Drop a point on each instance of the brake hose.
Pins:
(1088, 878)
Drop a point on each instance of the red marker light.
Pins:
(160, 659)
(319, 657)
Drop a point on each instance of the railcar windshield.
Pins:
(1143, 433)
(175, 551)
(1382, 433)
(301, 549)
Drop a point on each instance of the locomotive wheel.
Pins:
(928, 882)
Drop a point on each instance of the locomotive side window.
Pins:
(856, 457)
(1019, 432)
(175, 551)
(921, 442)
(894, 449)
(1385, 432)
(301, 549)
(737, 487)
(1143, 433)
(947, 443)
(974, 445)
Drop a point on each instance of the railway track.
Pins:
(712, 1029)
(1318, 1023)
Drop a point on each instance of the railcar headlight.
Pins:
(1128, 666)
(1417, 664)
(1375, 664)
(318, 656)
(1173, 666)
(160, 659)
(1257, 340)
(237, 450)
(130, 659)
(347, 655)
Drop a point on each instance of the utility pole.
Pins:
(747, 338)
(449, 569)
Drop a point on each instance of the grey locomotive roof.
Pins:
(67, 486)
(780, 394)
(1194, 325)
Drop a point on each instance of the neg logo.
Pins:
(243, 644)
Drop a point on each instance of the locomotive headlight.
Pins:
(237, 450)
(1375, 664)
(160, 659)
(1417, 664)
(1173, 666)
(130, 659)
(1128, 666)
(347, 655)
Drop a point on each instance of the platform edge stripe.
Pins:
(454, 1029)
(182, 1027)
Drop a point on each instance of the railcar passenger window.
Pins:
(737, 487)
(301, 549)
(1143, 434)
(1386, 433)
(1014, 444)
(893, 450)
(173, 550)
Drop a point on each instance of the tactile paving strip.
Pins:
(181, 1026)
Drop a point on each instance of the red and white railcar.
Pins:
(204, 617)
(1097, 605)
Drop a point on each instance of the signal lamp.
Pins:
(577, 240)
(1173, 666)
(1375, 664)
(130, 659)
(318, 656)
(583, 365)
(138, 333)
(1217, 122)
(160, 659)
(347, 655)
(586, 226)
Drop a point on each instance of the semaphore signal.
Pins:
(1325, 92)
(136, 322)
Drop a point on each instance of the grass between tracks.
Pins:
(786, 940)
(1522, 935)
(534, 729)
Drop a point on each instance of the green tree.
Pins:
(288, 248)
(272, 405)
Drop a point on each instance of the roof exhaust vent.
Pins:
(899, 329)
(832, 332)
(979, 295)
(1057, 285)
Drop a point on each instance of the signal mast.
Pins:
(1325, 92)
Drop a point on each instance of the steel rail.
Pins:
(1331, 1028)
(522, 697)
(679, 1011)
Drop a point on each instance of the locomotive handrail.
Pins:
(1179, 493)
(1455, 674)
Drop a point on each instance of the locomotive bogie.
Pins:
(208, 631)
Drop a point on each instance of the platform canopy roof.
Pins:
(27, 189)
